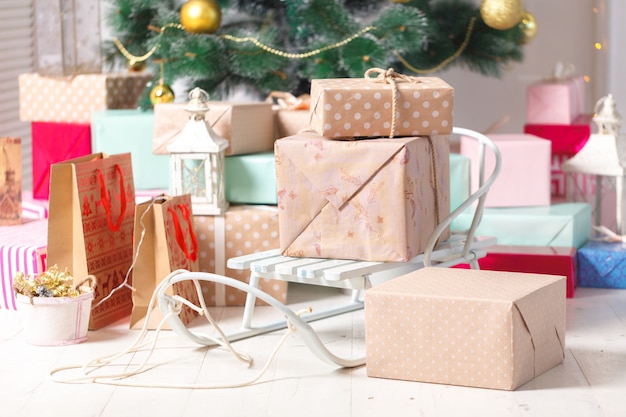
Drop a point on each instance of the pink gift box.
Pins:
(371, 200)
(555, 101)
(524, 178)
(52, 143)
(22, 249)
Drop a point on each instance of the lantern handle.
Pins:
(197, 106)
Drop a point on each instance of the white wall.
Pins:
(616, 74)
(567, 32)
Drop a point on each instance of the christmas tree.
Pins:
(280, 45)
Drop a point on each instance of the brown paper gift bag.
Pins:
(165, 241)
(90, 228)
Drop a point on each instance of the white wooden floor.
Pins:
(591, 382)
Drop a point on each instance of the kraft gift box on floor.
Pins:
(474, 328)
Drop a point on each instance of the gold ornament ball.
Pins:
(501, 14)
(161, 93)
(201, 16)
(528, 25)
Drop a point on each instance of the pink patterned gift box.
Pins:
(370, 200)
(555, 101)
(22, 249)
(525, 176)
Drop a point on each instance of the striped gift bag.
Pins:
(23, 249)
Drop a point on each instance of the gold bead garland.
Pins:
(445, 62)
(133, 59)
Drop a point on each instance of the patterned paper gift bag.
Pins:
(165, 241)
(10, 181)
(90, 228)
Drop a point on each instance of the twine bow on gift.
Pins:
(392, 78)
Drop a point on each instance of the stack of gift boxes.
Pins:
(538, 229)
(333, 204)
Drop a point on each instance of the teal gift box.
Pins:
(121, 131)
(459, 179)
(251, 178)
(565, 224)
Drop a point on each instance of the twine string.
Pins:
(392, 78)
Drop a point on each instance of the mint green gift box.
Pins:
(565, 224)
(459, 179)
(251, 178)
(121, 131)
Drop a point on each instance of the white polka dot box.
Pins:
(474, 328)
(72, 99)
(242, 230)
(358, 107)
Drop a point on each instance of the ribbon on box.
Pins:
(390, 77)
(287, 101)
(220, 258)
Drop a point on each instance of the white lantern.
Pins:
(197, 160)
(604, 155)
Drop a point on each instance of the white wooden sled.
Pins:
(356, 276)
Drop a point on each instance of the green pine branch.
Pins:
(299, 40)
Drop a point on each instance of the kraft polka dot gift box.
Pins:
(72, 99)
(358, 107)
(242, 230)
(474, 328)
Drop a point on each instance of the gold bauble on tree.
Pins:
(161, 93)
(528, 25)
(201, 16)
(501, 14)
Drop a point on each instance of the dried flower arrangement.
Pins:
(51, 283)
